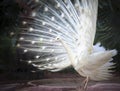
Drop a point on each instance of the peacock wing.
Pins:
(87, 28)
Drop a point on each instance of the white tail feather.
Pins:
(75, 25)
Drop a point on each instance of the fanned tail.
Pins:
(49, 20)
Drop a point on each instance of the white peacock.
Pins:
(61, 33)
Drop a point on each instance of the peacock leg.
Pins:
(83, 85)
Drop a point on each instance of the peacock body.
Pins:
(61, 34)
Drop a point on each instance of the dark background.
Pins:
(11, 68)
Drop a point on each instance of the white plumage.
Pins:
(61, 34)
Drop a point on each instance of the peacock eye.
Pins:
(57, 5)
(32, 42)
(33, 14)
(45, 9)
(52, 50)
(47, 59)
(52, 18)
(25, 51)
(36, 1)
(43, 47)
(56, 58)
(29, 62)
(31, 29)
(62, 15)
(24, 22)
(50, 30)
(21, 38)
(41, 39)
(51, 40)
(18, 45)
(43, 23)
(37, 56)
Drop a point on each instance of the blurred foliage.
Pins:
(108, 32)
(8, 15)
(108, 24)
(108, 27)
